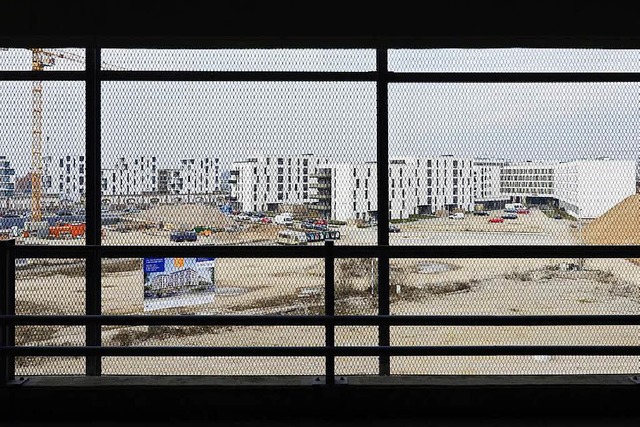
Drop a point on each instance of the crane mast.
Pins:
(41, 58)
(38, 62)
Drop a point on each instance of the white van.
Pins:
(283, 219)
(513, 206)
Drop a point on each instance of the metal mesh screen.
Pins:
(241, 59)
(42, 59)
(261, 163)
(50, 286)
(230, 286)
(512, 287)
(239, 286)
(42, 162)
(513, 163)
(234, 163)
(514, 365)
(229, 366)
(514, 60)
(509, 286)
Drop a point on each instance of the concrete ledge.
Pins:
(250, 398)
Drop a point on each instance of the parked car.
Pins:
(496, 219)
(314, 236)
(183, 236)
(266, 220)
(510, 215)
(394, 228)
(177, 236)
(522, 211)
(557, 217)
(481, 213)
(320, 222)
(456, 215)
(307, 225)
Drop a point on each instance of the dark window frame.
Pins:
(94, 251)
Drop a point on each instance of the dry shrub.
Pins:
(128, 337)
(31, 334)
(523, 276)
(625, 290)
(350, 272)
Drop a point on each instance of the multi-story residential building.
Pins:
(402, 194)
(346, 191)
(416, 186)
(453, 184)
(527, 181)
(587, 188)
(64, 176)
(7, 178)
(131, 177)
(262, 183)
(486, 183)
(194, 176)
(168, 180)
(321, 187)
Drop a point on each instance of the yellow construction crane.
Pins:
(41, 58)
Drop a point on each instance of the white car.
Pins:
(456, 215)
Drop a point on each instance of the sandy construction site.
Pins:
(487, 286)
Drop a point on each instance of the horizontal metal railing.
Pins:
(9, 320)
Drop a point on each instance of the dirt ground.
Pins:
(419, 286)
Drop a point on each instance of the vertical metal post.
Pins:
(382, 92)
(93, 235)
(329, 309)
(4, 373)
(7, 306)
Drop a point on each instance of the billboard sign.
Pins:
(178, 282)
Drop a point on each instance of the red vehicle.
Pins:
(266, 220)
(496, 220)
(320, 222)
(522, 211)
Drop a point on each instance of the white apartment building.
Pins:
(193, 176)
(416, 186)
(7, 178)
(131, 177)
(486, 182)
(525, 180)
(453, 183)
(64, 176)
(587, 188)
(262, 183)
(353, 192)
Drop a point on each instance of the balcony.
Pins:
(321, 196)
(320, 185)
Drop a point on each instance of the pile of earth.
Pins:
(620, 225)
(183, 216)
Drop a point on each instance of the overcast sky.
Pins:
(234, 120)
